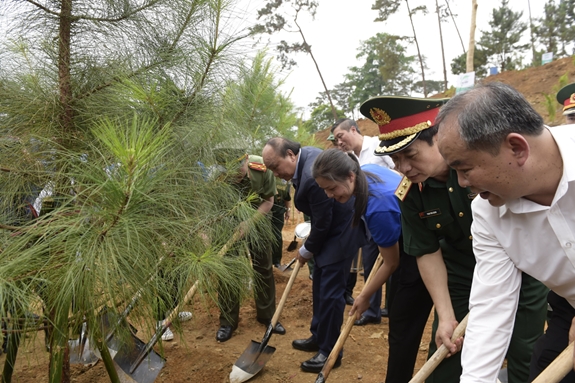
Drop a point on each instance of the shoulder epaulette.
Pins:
(403, 188)
(257, 166)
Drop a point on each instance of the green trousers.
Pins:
(264, 290)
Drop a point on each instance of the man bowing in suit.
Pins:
(333, 243)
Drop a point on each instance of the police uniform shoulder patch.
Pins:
(257, 166)
(403, 188)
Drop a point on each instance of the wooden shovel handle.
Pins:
(283, 299)
(346, 330)
(559, 368)
(439, 355)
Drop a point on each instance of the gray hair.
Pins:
(487, 113)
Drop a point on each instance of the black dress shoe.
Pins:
(305, 344)
(279, 329)
(349, 300)
(366, 320)
(316, 363)
(225, 333)
(384, 312)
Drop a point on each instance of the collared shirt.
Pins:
(367, 156)
(518, 236)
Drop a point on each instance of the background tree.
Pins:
(254, 103)
(501, 43)
(274, 19)
(555, 30)
(459, 64)
(121, 192)
(386, 8)
(470, 59)
(386, 69)
(321, 118)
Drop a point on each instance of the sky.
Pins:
(340, 25)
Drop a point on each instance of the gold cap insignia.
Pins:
(379, 116)
(572, 98)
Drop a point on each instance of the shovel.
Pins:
(131, 355)
(559, 368)
(439, 355)
(80, 350)
(324, 373)
(283, 268)
(257, 354)
(293, 244)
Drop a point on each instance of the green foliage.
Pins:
(555, 30)
(276, 16)
(501, 43)
(321, 118)
(118, 146)
(386, 69)
(254, 103)
(385, 8)
(459, 64)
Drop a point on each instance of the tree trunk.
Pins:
(66, 114)
(442, 50)
(418, 51)
(308, 48)
(471, 49)
(455, 24)
(533, 52)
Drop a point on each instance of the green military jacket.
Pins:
(437, 215)
(259, 180)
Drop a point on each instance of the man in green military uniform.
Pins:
(280, 214)
(436, 224)
(249, 174)
(566, 97)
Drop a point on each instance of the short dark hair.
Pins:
(345, 124)
(428, 134)
(282, 145)
(487, 113)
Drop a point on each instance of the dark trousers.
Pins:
(555, 339)
(264, 291)
(408, 314)
(328, 303)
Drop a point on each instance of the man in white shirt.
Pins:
(349, 138)
(524, 220)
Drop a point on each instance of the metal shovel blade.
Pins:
(128, 352)
(251, 362)
(80, 350)
(82, 353)
(283, 268)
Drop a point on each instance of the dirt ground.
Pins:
(196, 356)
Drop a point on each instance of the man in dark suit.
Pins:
(332, 242)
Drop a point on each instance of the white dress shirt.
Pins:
(518, 236)
(367, 156)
